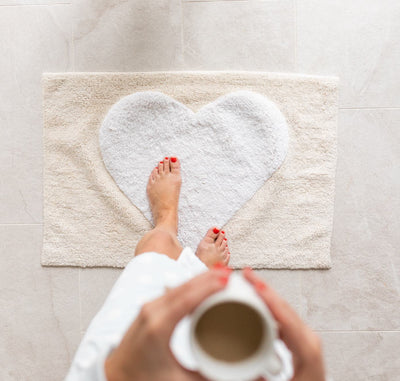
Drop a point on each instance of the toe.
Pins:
(212, 233)
(220, 238)
(226, 260)
(224, 244)
(166, 165)
(224, 241)
(175, 164)
(161, 167)
(154, 174)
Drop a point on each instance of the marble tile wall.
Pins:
(355, 306)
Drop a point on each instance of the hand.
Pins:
(144, 352)
(304, 344)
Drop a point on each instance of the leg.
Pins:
(163, 190)
(160, 241)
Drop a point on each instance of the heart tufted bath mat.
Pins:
(228, 149)
(275, 215)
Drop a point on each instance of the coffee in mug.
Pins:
(232, 335)
(230, 331)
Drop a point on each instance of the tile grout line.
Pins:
(182, 38)
(396, 280)
(79, 300)
(356, 331)
(295, 35)
(369, 108)
(72, 41)
(18, 224)
(302, 309)
(34, 5)
(216, 1)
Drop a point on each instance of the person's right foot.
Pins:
(163, 190)
(213, 248)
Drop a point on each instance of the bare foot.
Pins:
(213, 248)
(163, 190)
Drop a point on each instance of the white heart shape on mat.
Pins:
(228, 149)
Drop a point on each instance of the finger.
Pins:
(292, 329)
(184, 299)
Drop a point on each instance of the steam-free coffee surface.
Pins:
(230, 331)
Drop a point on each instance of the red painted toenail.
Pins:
(173, 159)
(222, 232)
(225, 239)
(216, 231)
(219, 265)
(166, 158)
(161, 162)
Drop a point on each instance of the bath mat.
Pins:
(88, 219)
(228, 149)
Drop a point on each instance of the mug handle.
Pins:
(274, 366)
(279, 365)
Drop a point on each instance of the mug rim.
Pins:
(249, 367)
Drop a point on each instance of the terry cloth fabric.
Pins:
(227, 150)
(144, 279)
(89, 221)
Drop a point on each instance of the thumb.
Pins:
(184, 299)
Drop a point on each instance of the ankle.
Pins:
(167, 220)
(167, 226)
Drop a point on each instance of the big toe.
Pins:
(212, 233)
(175, 164)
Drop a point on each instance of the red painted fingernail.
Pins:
(216, 231)
(219, 265)
(166, 157)
(173, 159)
(222, 232)
(260, 286)
(224, 279)
(161, 162)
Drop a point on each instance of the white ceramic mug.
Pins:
(266, 361)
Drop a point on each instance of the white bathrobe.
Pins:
(144, 279)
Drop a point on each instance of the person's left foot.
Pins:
(163, 190)
(213, 248)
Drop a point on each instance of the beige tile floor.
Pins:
(356, 305)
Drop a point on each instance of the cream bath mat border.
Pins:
(88, 221)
